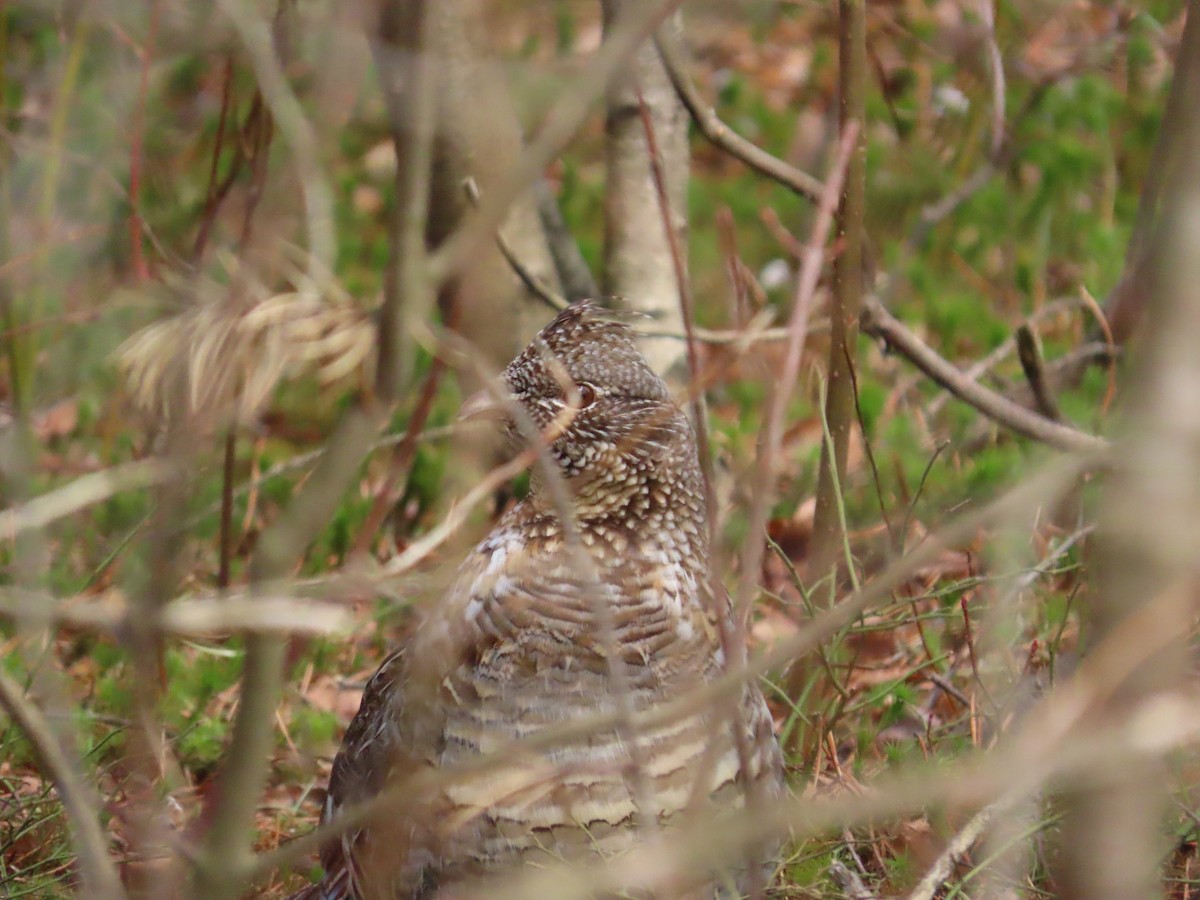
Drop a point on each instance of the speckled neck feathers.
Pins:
(628, 454)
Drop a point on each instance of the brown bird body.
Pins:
(549, 623)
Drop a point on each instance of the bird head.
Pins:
(608, 417)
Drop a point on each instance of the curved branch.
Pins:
(721, 135)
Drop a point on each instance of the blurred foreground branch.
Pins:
(99, 875)
(87, 490)
(227, 858)
(1149, 534)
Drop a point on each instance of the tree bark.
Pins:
(1112, 835)
(638, 267)
(840, 401)
(477, 135)
(1127, 303)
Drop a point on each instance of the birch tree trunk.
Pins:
(638, 266)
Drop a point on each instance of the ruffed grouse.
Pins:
(521, 643)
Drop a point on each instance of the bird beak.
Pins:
(481, 406)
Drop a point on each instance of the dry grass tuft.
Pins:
(221, 355)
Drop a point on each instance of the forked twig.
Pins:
(879, 322)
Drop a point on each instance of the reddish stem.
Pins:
(141, 271)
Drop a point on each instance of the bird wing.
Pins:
(521, 643)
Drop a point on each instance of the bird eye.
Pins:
(587, 395)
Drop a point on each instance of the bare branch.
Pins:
(83, 492)
(1029, 352)
(982, 366)
(721, 135)
(100, 877)
(879, 322)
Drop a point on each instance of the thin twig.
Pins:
(721, 135)
(771, 435)
(100, 877)
(1029, 353)
(879, 322)
(387, 495)
(533, 283)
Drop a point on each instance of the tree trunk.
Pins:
(638, 266)
(1112, 835)
(477, 136)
